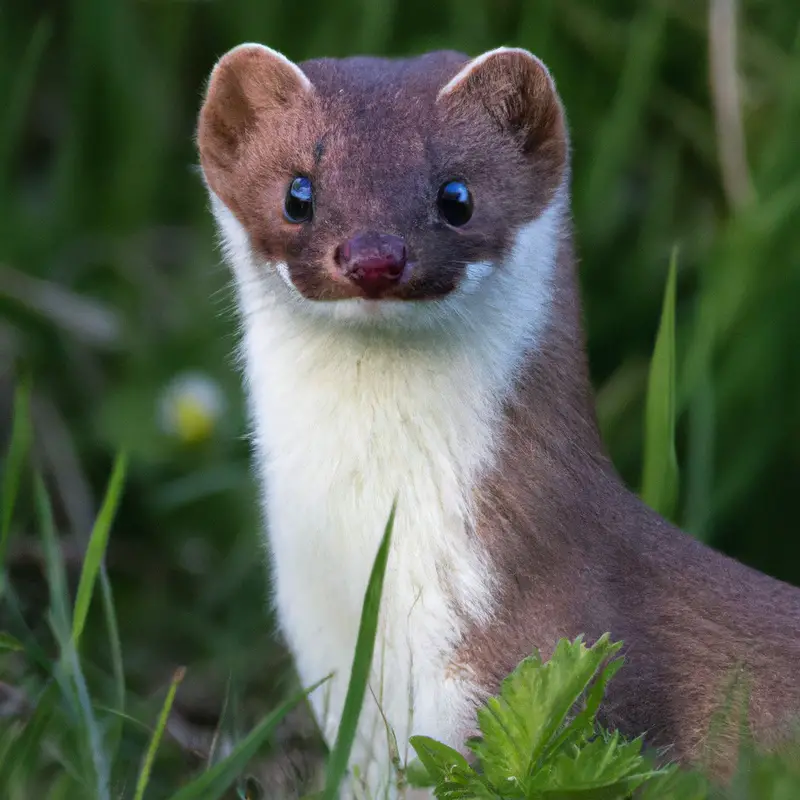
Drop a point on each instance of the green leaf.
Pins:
(417, 774)
(452, 776)
(362, 663)
(213, 783)
(522, 723)
(660, 475)
(583, 726)
(606, 767)
(96, 548)
(155, 739)
(438, 759)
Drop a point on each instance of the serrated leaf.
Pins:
(524, 720)
(437, 758)
(583, 726)
(452, 776)
(608, 763)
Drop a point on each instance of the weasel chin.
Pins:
(383, 313)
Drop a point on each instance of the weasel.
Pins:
(400, 236)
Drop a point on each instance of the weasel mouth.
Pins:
(378, 281)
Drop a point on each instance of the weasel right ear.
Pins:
(248, 82)
(517, 90)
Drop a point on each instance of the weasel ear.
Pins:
(249, 81)
(517, 90)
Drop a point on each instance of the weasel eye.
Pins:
(298, 205)
(455, 203)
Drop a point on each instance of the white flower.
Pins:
(190, 406)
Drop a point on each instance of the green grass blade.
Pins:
(155, 740)
(223, 719)
(22, 755)
(213, 783)
(9, 643)
(622, 126)
(117, 666)
(660, 474)
(12, 471)
(88, 722)
(33, 650)
(93, 568)
(96, 549)
(362, 663)
(68, 671)
(54, 562)
(21, 93)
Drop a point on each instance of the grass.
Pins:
(338, 761)
(539, 736)
(64, 722)
(107, 266)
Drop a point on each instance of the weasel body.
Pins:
(400, 238)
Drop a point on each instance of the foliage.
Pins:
(660, 472)
(532, 746)
(539, 737)
(113, 300)
(339, 759)
(65, 736)
(540, 740)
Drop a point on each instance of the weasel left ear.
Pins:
(249, 84)
(517, 90)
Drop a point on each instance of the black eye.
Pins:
(455, 203)
(298, 205)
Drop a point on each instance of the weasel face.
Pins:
(381, 189)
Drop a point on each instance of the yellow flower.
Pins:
(191, 405)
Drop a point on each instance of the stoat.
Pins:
(400, 236)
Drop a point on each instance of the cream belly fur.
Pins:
(351, 409)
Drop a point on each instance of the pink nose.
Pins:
(375, 262)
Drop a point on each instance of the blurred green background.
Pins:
(686, 132)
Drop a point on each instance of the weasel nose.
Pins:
(373, 261)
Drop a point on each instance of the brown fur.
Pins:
(580, 554)
(576, 551)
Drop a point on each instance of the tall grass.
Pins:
(539, 735)
(65, 742)
(107, 266)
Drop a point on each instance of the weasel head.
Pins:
(378, 192)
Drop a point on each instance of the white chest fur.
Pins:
(343, 426)
(346, 417)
